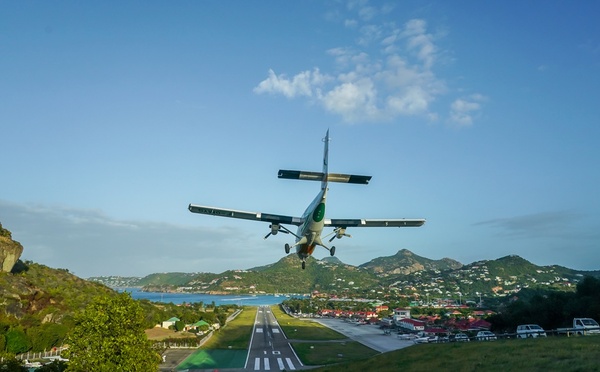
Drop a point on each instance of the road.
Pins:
(269, 348)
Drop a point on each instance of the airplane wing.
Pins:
(244, 215)
(395, 222)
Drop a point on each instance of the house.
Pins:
(411, 324)
(197, 325)
(168, 323)
(381, 308)
(435, 331)
(401, 313)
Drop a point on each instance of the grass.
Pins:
(237, 333)
(210, 359)
(298, 329)
(320, 353)
(550, 354)
(328, 347)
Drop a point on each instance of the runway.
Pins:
(269, 348)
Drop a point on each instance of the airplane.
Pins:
(313, 221)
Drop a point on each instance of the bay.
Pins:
(207, 299)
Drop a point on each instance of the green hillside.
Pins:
(404, 274)
(38, 304)
(285, 276)
(406, 262)
(40, 292)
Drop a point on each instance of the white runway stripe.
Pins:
(290, 364)
(267, 366)
(256, 364)
(281, 365)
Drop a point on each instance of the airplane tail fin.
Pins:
(324, 176)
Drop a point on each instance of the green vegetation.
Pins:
(299, 329)
(213, 359)
(551, 354)
(109, 336)
(38, 304)
(321, 353)
(550, 309)
(5, 233)
(237, 333)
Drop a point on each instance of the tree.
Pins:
(109, 336)
(16, 341)
(10, 364)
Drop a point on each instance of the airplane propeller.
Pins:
(339, 233)
(275, 228)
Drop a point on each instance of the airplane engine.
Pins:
(274, 230)
(340, 232)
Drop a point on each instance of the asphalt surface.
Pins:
(269, 348)
(368, 335)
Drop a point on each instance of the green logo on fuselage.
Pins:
(319, 213)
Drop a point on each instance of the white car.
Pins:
(485, 336)
(530, 331)
(461, 337)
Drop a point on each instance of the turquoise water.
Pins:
(178, 298)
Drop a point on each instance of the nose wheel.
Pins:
(287, 248)
(303, 265)
(332, 251)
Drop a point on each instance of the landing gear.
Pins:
(303, 265)
(287, 248)
(332, 251)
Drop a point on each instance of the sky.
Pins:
(481, 117)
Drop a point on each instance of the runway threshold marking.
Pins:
(290, 364)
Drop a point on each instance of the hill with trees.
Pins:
(38, 304)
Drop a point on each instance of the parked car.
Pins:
(485, 336)
(530, 331)
(461, 337)
(581, 326)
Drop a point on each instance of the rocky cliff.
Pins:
(10, 250)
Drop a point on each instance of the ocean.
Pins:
(179, 298)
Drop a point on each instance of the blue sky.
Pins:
(481, 117)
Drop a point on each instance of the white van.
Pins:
(530, 331)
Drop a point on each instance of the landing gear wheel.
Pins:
(287, 249)
(332, 251)
(303, 265)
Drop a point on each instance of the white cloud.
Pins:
(463, 109)
(354, 101)
(303, 84)
(89, 243)
(390, 72)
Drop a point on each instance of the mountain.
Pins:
(285, 276)
(404, 273)
(405, 262)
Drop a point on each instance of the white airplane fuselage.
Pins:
(309, 233)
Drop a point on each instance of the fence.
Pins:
(53, 353)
